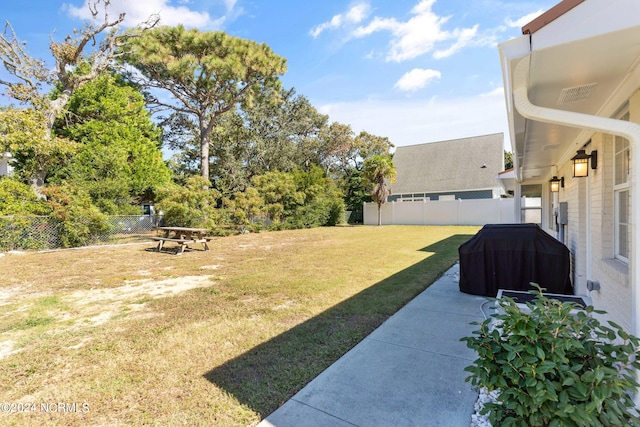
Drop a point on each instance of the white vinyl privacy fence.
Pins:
(443, 212)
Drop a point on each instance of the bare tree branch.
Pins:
(30, 72)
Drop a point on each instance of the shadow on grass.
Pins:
(266, 376)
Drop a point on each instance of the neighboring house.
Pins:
(463, 168)
(5, 164)
(572, 83)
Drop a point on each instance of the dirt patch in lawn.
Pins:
(85, 308)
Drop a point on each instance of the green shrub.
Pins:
(298, 199)
(323, 202)
(79, 221)
(240, 211)
(17, 198)
(555, 368)
(255, 227)
(191, 205)
(336, 212)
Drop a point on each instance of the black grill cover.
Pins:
(511, 256)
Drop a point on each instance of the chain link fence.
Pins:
(42, 232)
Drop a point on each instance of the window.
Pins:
(622, 197)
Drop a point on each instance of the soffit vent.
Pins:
(576, 93)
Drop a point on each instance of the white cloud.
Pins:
(420, 34)
(465, 37)
(140, 10)
(378, 24)
(416, 121)
(354, 15)
(519, 23)
(416, 79)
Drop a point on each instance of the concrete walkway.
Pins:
(408, 372)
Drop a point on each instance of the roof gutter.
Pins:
(550, 15)
(626, 129)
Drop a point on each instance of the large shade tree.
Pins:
(283, 132)
(378, 172)
(96, 44)
(279, 133)
(206, 73)
(118, 161)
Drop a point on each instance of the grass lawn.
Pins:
(123, 335)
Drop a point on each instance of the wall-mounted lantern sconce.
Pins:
(556, 183)
(581, 163)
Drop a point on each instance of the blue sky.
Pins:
(415, 71)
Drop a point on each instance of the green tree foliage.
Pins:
(80, 221)
(119, 162)
(355, 194)
(207, 74)
(336, 140)
(17, 198)
(280, 194)
(190, 205)
(552, 367)
(299, 199)
(283, 129)
(348, 168)
(35, 152)
(323, 203)
(180, 135)
(28, 76)
(278, 132)
(231, 172)
(508, 159)
(378, 172)
(245, 210)
(19, 204)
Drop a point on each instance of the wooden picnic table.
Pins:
(183, 236)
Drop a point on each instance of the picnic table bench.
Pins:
(183, 236)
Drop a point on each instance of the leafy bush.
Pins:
(21, 216)
(244, 208)
(191, 205)
(17, 198)
(555, 368)
(323, 202)
(280, 194)
(336, 212)
(79, 221)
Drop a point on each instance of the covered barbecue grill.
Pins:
(511, 256)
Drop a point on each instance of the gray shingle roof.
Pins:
(452, 165)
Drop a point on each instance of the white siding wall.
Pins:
(615, 295)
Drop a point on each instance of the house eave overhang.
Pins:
(607, 76)
(575, 51)
(511, 52)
